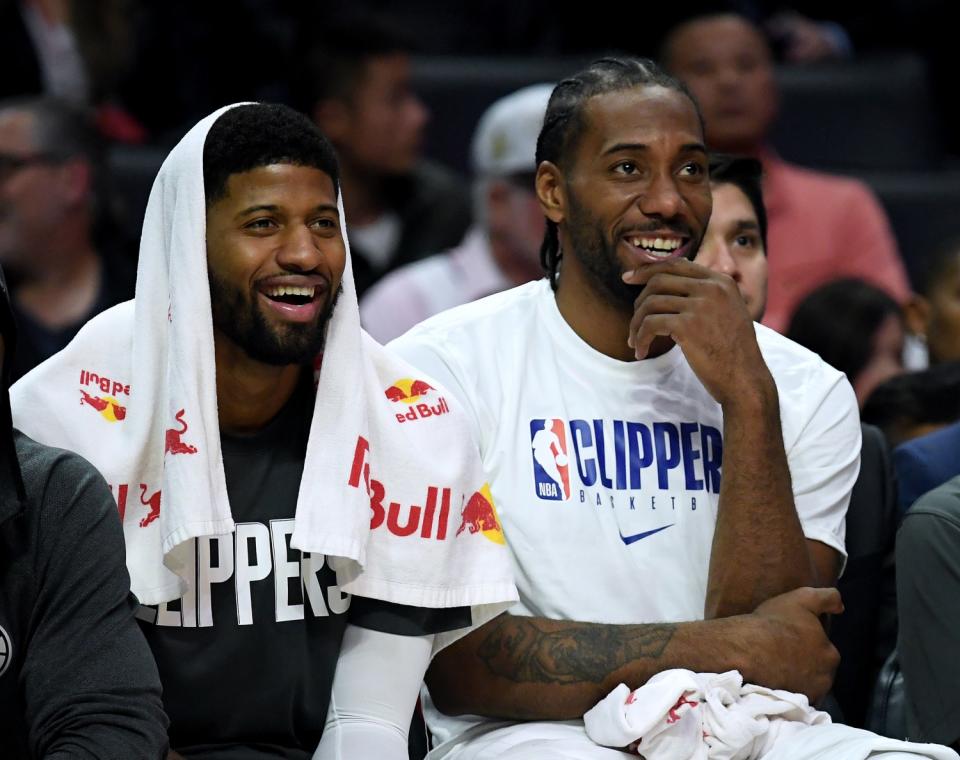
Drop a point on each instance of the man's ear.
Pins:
(332, 115)
(550, 191)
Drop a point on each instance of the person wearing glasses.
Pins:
(62, 270)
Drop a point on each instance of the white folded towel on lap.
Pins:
(682, 715)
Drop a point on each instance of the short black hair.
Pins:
(746, 174)
(335, 66)
(260, 134)
(929, 397)
(564, 123)
(838, 321)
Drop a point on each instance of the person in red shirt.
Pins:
(821, 227)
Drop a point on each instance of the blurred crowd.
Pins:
(94, 92)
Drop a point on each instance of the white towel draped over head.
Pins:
(392, 488)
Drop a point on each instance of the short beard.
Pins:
(242, 321)
(598, 257)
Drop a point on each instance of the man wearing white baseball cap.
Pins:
(501, 249)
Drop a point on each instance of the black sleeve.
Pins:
(91, 687)
(928, 586)
(404, 620)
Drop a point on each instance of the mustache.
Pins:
(676, 226)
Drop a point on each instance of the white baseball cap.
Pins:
(505, 141)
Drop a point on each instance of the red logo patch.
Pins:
(174, 439)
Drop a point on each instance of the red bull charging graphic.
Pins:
(101, 394)
(480, 516)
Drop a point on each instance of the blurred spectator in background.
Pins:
(77, 678)
(854, 327)
(926, 463)
(77, 51)
(357, 89)
(915, 403)
(934, 315)
(821, 227)
(928, 585)
(61, 275)
(735, 242)
(502, 248)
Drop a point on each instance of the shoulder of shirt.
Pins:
(942, 502)
(820, 183)
(48, 470)
(493, 317)
(785, 357)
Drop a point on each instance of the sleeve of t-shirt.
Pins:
(928, 586)
(824, 463)
(91, 686)
(404, 620)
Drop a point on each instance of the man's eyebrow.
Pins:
(745, 225)
(640, 147)
(623, 147)
(257, 207)
(273, 208)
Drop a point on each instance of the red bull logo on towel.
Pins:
(419, 396)
(106, 402)
(151, 502)
(174, 443)
(427, 520)
(480, 516)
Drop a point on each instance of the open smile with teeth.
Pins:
(296, 295)
(663, 247)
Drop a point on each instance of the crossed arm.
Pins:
(762, 616)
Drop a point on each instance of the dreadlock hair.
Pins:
(564, 121)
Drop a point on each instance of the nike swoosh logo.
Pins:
(627, 540)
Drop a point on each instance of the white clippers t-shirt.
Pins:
(606, 474)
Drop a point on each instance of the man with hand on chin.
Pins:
(707, 462)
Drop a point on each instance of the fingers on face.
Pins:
(653, 326)
(679, 267)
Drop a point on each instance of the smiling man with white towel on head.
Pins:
(291, 493)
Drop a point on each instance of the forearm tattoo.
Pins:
(517, 648)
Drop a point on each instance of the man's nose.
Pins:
(300, 249)
(661, 198)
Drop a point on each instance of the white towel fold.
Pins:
(682, 715)
(135, 394)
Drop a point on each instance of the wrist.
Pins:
(758, 398)
(753, 639)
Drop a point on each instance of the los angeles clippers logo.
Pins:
(551, 463)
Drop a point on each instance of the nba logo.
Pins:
(551, 466)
